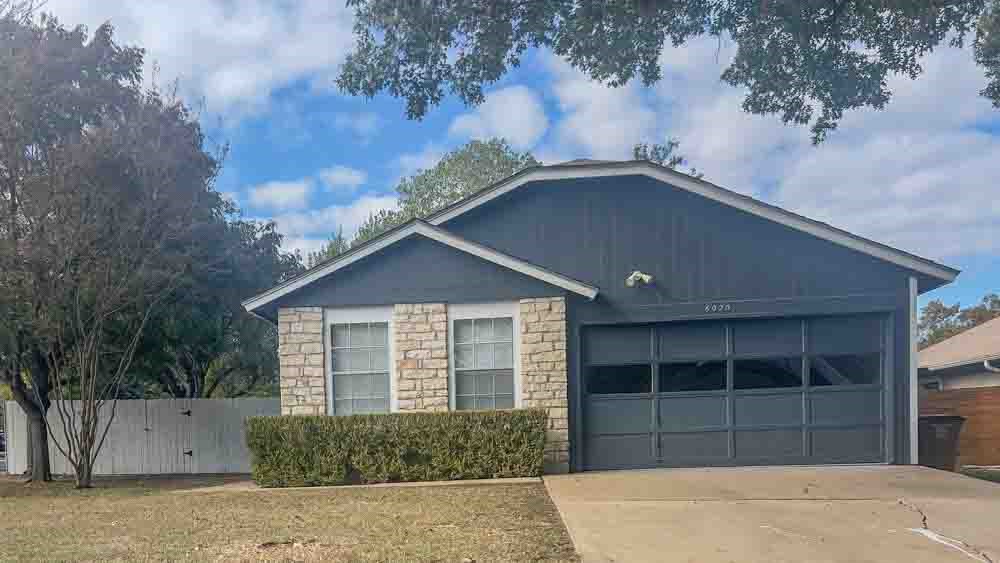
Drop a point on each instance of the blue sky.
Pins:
(920, 176)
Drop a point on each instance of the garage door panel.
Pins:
(846, 407)
(692, 413)
(618, 345)
(848, 445)
(768, 337)
(768, 444)
(619, 415)
(611, 452)
(766, 409)
(836, 335)
(684, 447)
(692, 340)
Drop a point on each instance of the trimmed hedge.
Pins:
(292, 451)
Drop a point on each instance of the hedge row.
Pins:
(290, 451)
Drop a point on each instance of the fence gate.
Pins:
(154, 437)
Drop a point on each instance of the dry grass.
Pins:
(143, 520)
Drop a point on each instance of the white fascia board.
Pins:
(433, 233)
(714, 193)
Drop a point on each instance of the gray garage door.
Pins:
(753, 392)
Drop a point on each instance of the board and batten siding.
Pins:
(155, 437)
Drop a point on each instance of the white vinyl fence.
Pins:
(155, 437)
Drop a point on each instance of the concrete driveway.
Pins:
(859, 513)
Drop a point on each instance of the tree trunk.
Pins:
(84, 474)
(38, 441)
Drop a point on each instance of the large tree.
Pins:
(57, 84)
(808, 61)
(940, 322)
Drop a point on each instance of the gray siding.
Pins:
(700, 253)
(419, 270)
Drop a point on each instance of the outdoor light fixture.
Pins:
(638, 277)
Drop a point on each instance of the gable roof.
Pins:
(978, 344)
(597, 169)
(418, 227)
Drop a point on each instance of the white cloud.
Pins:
(319, 223)
(408, 164)
(343, 177)
(598, 121)
(235, 54)
(514, 113)
(281, 195)
(303, 245)
(363, 124)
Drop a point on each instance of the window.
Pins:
(767, 373)
(608, 380)
(692, 376)
(359, 364)
(483, 356)
(846, 369)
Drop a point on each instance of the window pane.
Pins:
(619, 379)
(484, 356)
(464, 356)
(484, 384)
(380, 385)
(361, 406)
(503, 383)
(338, 361)
(379, 334)
(380, 359)
(465, 385)
(484, 330)
(380, 406)
(339, 334)
(463, 330)
(357, 359)
(503, 329)
(484, 403)
(767, 373)
(359, 335)
(465, 403)
(505, 401)
(503, 356)
(342, 407)
(692, 376)
(851, 369)
(342, 386)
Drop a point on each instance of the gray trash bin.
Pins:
(938, 441)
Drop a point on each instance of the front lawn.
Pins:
(163, 519)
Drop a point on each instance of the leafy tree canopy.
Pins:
(940, 322)
(807, 61)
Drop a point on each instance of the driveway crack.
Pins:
(925, 530)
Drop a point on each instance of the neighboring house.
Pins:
(661, 320)
(968, 359)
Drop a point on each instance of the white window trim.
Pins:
(359, 315)
(464, 311)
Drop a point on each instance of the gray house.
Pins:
(661, 320)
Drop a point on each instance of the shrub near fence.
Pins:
(289, 451)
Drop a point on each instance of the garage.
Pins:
(808, 390)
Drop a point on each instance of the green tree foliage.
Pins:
(940, 322)
(663, 154)
(336, 245)
(459, 173)
(807, 61)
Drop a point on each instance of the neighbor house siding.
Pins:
(302, 374)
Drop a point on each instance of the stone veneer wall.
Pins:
(544, 374)
(302, 377)
(421, 344)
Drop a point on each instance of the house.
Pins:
(661, 320)
(968, 359)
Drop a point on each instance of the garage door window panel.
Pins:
(680, 377)
(619, 380)
(845, 369)
(767, 373)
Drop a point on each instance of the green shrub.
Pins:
(290, 451)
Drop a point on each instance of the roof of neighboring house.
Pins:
(975, 345)
(417, 227)
(585, 168)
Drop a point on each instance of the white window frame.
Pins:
(381, 314)
(465, 311)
